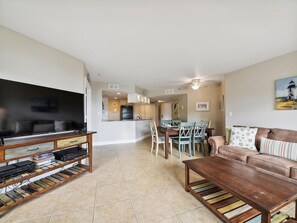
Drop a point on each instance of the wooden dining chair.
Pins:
(184, 137)
(156, 139)
(198, 136)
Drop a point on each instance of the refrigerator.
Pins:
(126, 113)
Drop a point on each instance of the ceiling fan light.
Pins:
(195, 87)
(195, 84)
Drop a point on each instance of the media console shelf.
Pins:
(26, 148)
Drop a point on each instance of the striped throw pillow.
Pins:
(287, 150)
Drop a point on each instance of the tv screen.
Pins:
(27, 109)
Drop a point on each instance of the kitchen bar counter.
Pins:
(125, 131)
(127, 120)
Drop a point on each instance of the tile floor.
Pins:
(128, 184)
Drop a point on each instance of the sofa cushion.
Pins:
(243, 137)
(283, 135)
(287, 150)
(262, 133)
(272, 163)
(236, 153)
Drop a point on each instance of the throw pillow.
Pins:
(243, 137)
(228, 134)
(287, 150)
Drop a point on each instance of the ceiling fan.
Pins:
(195, 83)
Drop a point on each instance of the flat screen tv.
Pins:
(27, 109)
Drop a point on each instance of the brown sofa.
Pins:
(271, 163)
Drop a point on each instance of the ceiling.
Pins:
(166, 98)
(158, 44)
(114, 95)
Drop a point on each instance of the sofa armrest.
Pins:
(216, 142)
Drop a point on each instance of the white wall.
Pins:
(26, 60)
(250, 94)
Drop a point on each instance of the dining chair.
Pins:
(208, 126)
(208, 123)
(156, 139)
(184, 137)
(175, 122)
(165, 122)
(198, 136)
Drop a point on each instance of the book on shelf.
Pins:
(44, 163)
(41, 160)
(44, 156)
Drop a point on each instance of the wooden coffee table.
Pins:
(242, 186)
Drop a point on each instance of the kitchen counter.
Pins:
(124, 131)
(127, 120)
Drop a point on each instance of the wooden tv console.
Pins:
(18, 150)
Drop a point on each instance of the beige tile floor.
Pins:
(128, 184)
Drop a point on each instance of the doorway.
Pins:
(87, 103)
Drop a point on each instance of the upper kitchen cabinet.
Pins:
(138, 98)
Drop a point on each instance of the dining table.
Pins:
(174, 131)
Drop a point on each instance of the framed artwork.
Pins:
(202, 106)
(175, 109)
(286, 94)
(222, 103)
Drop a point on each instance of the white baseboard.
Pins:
(120, 141)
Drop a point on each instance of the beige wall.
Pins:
(211, 94)
(188, 98)
(114, 109)
(250, 94)
(26, 60)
